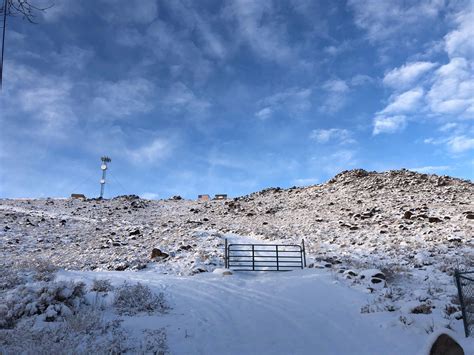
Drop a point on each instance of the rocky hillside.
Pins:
(398, 218)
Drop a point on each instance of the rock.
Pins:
(376, 280)
(121, 267)
(470, 216)
(422, 309)
(434, 219)
(223, 272)
(445, 345)
(135, 232)
(157, 253)
(407, 215)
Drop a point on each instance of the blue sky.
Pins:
(192, 97)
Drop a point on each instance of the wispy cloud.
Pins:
(432, 169)
(405, 102)
(335, 97)
(382, 19)
(306, 181)
(389, 124)
(153, 152)
(452, 92)
(337, 135)
(130, 11)
(180, 97)
(123, 98)
(460, 144)
(260, 29)
(407, 74)
(293, 101)
(337, 161)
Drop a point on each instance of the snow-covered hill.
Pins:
(412, 229)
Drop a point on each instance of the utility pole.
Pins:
(103, 167)
(3, 40)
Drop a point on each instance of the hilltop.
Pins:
(357, 216)
(381, 250)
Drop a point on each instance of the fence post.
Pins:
(304, 252)
(226, 262)
(457, 276)
(253, 257)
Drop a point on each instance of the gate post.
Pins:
(304, 253)
(226, 262)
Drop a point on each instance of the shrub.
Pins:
(133, 299)
(49, 299)
(101, 285)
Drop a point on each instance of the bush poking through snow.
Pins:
(51, 300)
(82, 333)
(133, 299)
(101, 285)
(422, 309)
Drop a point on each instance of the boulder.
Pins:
(157, 253)
(407, 215)
(445, 345)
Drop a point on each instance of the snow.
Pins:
(298, 312)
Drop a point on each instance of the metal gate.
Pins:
(465, 285)
(264, 257)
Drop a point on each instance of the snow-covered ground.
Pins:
(382, 248)
(301, 312)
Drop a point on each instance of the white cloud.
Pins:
(389, 124)
(452, 92)
(335, 97)
(61, 9)
(336, 50)
(336, 162)
(448, 127)
(306, 181)
(123, 98)
(342, 136)
(180, 97)
(405, 102)
(361, 79)
(406, 75)
(264, 113)
(48, 98)
(72, 57)
(382, 19)
(153, 152)
(432, 169)
(460, 144)
(150, 196)
(258, 27)
(293, 101)
(336, 86)
(459, 140)
(125, 11)
(460, 43)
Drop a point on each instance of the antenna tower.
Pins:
(103, 167)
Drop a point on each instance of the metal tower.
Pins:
(105, 160)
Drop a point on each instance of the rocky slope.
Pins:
(358, 218)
